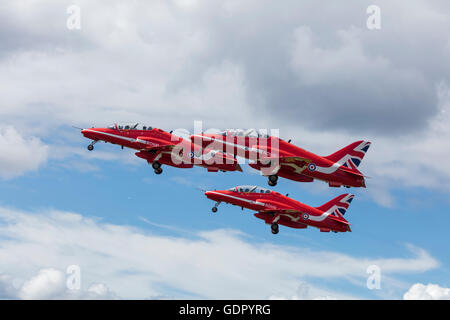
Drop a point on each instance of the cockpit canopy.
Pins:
(249, 189)
(245, 133)
(128, 126)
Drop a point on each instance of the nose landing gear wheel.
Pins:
(274, 228)
(158, 171)
(214, 209)
(90, 147)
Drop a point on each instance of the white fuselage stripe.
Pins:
(112, 135)
(326, 170)
(322, 217)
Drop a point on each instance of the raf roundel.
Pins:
(305, 216)
(311, 167)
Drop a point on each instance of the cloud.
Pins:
(392, 163)
(7, 290)
(347, 88)
(49, 284)
(308, 292)
(214, 60)
(20, 154)
(323, 81)
(135, 263)
(430, 291)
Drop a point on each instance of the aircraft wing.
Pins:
(155, 144)
(287, 159)
(281, 211)
(276, 206)
(289, 163)
(286, 217)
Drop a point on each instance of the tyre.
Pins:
(272, 184)
(156, 165)
(274, 228)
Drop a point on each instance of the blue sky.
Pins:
(323, 84)
(127, 192)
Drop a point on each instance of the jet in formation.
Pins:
(272, 156)
(275, 157)
(277, 209)
(159, 147)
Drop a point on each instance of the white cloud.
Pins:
(19, 154)
(169, 63)
(139, 264)
(430, 291)
(307, 292)
(49, 284)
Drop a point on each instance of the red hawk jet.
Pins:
(275, 158)
(275, 208)
(159, 147)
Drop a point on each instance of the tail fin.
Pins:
(338, 206)
(350, 156)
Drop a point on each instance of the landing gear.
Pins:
(214, 209)
(272, 180)
(91, 146)
(274, 228)
(156, 165)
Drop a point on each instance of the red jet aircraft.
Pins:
(159, 147)
(275, 208)
(275, 158)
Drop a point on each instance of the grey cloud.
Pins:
(296, 64)
(362, 81)
(38, 27)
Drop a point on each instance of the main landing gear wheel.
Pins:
(273, 180)
(156, 165)
(274, 228)
(158, 171)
